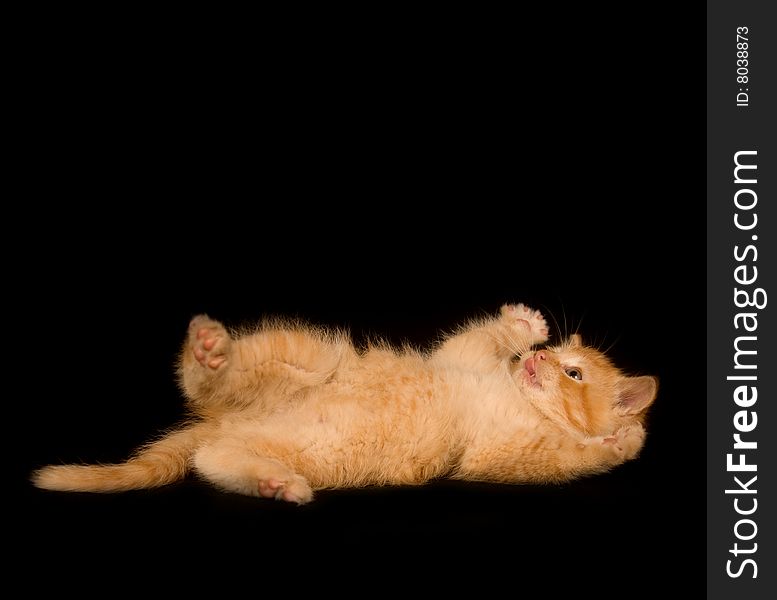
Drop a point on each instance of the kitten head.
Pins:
(579, 388)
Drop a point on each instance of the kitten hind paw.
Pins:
(525, 318)
(209, 342)
(294, 490)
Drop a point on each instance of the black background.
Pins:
(394, 178)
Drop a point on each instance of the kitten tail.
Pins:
(154, 465)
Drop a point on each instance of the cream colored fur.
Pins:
(289, 409)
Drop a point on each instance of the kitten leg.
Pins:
(485, 345)
(235, 468)
(555, 458)
(268, 366)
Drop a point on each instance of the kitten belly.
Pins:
(347, 436)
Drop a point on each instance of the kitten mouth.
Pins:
(530, 372)
(530, 366)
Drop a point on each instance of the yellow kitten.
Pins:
(288, 409)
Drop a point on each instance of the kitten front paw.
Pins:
(527, 319)
(627, 441)
(209, 342)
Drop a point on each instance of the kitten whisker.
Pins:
(580, 324)
(612, 345)
(561, 334)
(511, 346)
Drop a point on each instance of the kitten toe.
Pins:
(289, 497)
(282, 484)
(265, 491)
(295, 490)
(271, 488)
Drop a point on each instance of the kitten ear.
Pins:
(635, 394)
(575, 340)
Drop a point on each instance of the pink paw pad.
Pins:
(268, 488)
(275, 488)
(289, 497)
(610, 441)
(209, 342)
(519, 315)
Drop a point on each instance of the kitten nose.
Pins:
(540, 355)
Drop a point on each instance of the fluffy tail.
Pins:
(156, 464)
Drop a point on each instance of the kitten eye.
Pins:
(574, 373)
